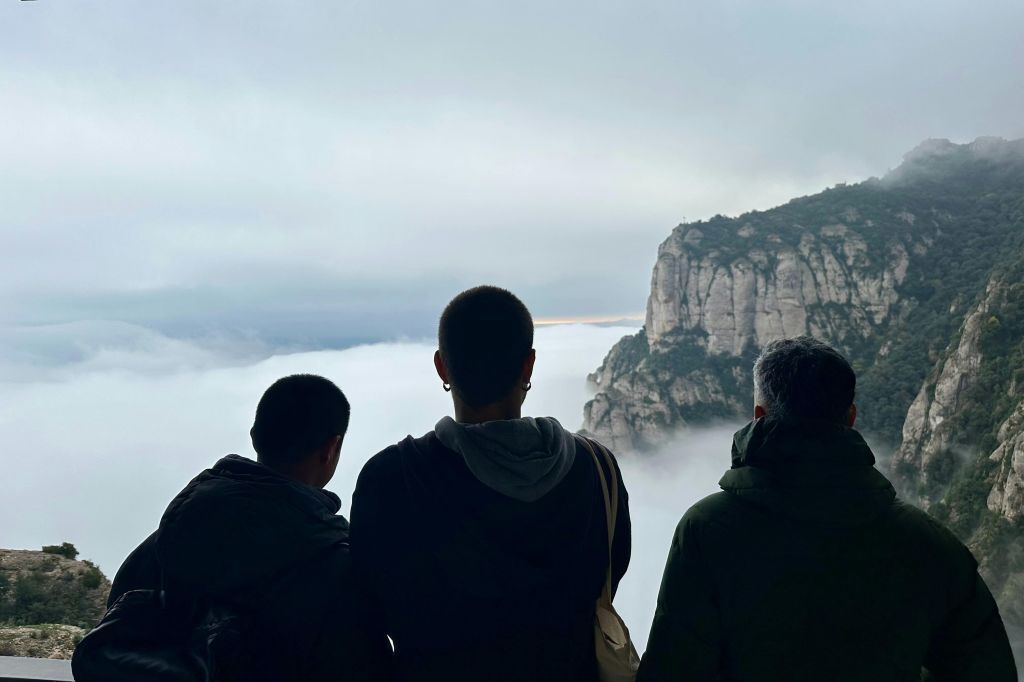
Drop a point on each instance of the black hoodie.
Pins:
(273, 548)
(476, 585)
(806, 567)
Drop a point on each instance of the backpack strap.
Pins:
(610, 492)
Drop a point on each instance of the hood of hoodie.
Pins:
(520, 458)
(818, 473)
(240, 525)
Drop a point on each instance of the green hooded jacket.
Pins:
(807, 567)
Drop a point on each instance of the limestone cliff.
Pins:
(770, 293)
(918, 277)
(962, 451)
(729, 303)
(884, 269)
(927, 455)
(1007, 495)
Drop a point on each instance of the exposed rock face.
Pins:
(764, 294)
(640, 409)
(930, 430)
(1007, 496)
(979, 373)
(917, 277)
(851, 266)
(729, 302)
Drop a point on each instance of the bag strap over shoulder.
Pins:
(610, 492)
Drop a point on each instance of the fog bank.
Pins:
(101, 440)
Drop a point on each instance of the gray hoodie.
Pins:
(521, 458)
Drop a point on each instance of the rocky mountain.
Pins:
(48, 600)
(917, 276)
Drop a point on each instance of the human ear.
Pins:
(528, 363)
(331, 450)
(442, 371)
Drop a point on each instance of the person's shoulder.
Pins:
(583, 437)
(709, 509)
(603, 452)
(920, 529)
(389, 462)
(707, 518)
(140, 570)
(204, 495)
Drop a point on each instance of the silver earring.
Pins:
(528, 385)
(446, 386)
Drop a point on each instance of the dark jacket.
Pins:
(806, 567)
(277, 551)
(474, 585)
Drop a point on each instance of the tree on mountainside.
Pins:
(65, 549)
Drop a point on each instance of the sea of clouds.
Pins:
(102, 426)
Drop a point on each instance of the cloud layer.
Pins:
(96, 451)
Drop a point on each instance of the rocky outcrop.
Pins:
(726, 299)
(918, 278)
(930, 454)
(883, 269)
(1007, 496)
(640, 410)
(770, 293)
(643, 397)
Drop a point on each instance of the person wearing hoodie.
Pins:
(483, 544)
(807, 567)
(266, 540)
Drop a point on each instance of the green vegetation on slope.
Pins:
(47, 587)
(983, 237)
(959, 211)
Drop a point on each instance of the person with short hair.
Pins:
(806, 566)
(484, 543)
(265, 539)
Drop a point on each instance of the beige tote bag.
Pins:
(617, 660)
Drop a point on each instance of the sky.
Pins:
(197, 198)
(95, 452)
(284, 177)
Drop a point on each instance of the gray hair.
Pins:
(803, 378)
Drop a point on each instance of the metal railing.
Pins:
(16, 669)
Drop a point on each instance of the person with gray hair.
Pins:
(807, 567)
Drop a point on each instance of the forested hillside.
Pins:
(917, 276)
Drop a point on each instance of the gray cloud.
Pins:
(109, 421)
(661, 488)
(123, 418)
(194, 191)
(261, 167)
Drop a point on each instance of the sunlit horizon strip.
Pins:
(588, 319)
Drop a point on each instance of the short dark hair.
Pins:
(297, 415)
(484, 336)
(804, 378)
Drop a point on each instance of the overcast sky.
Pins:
(310, 174)
(191, 190)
